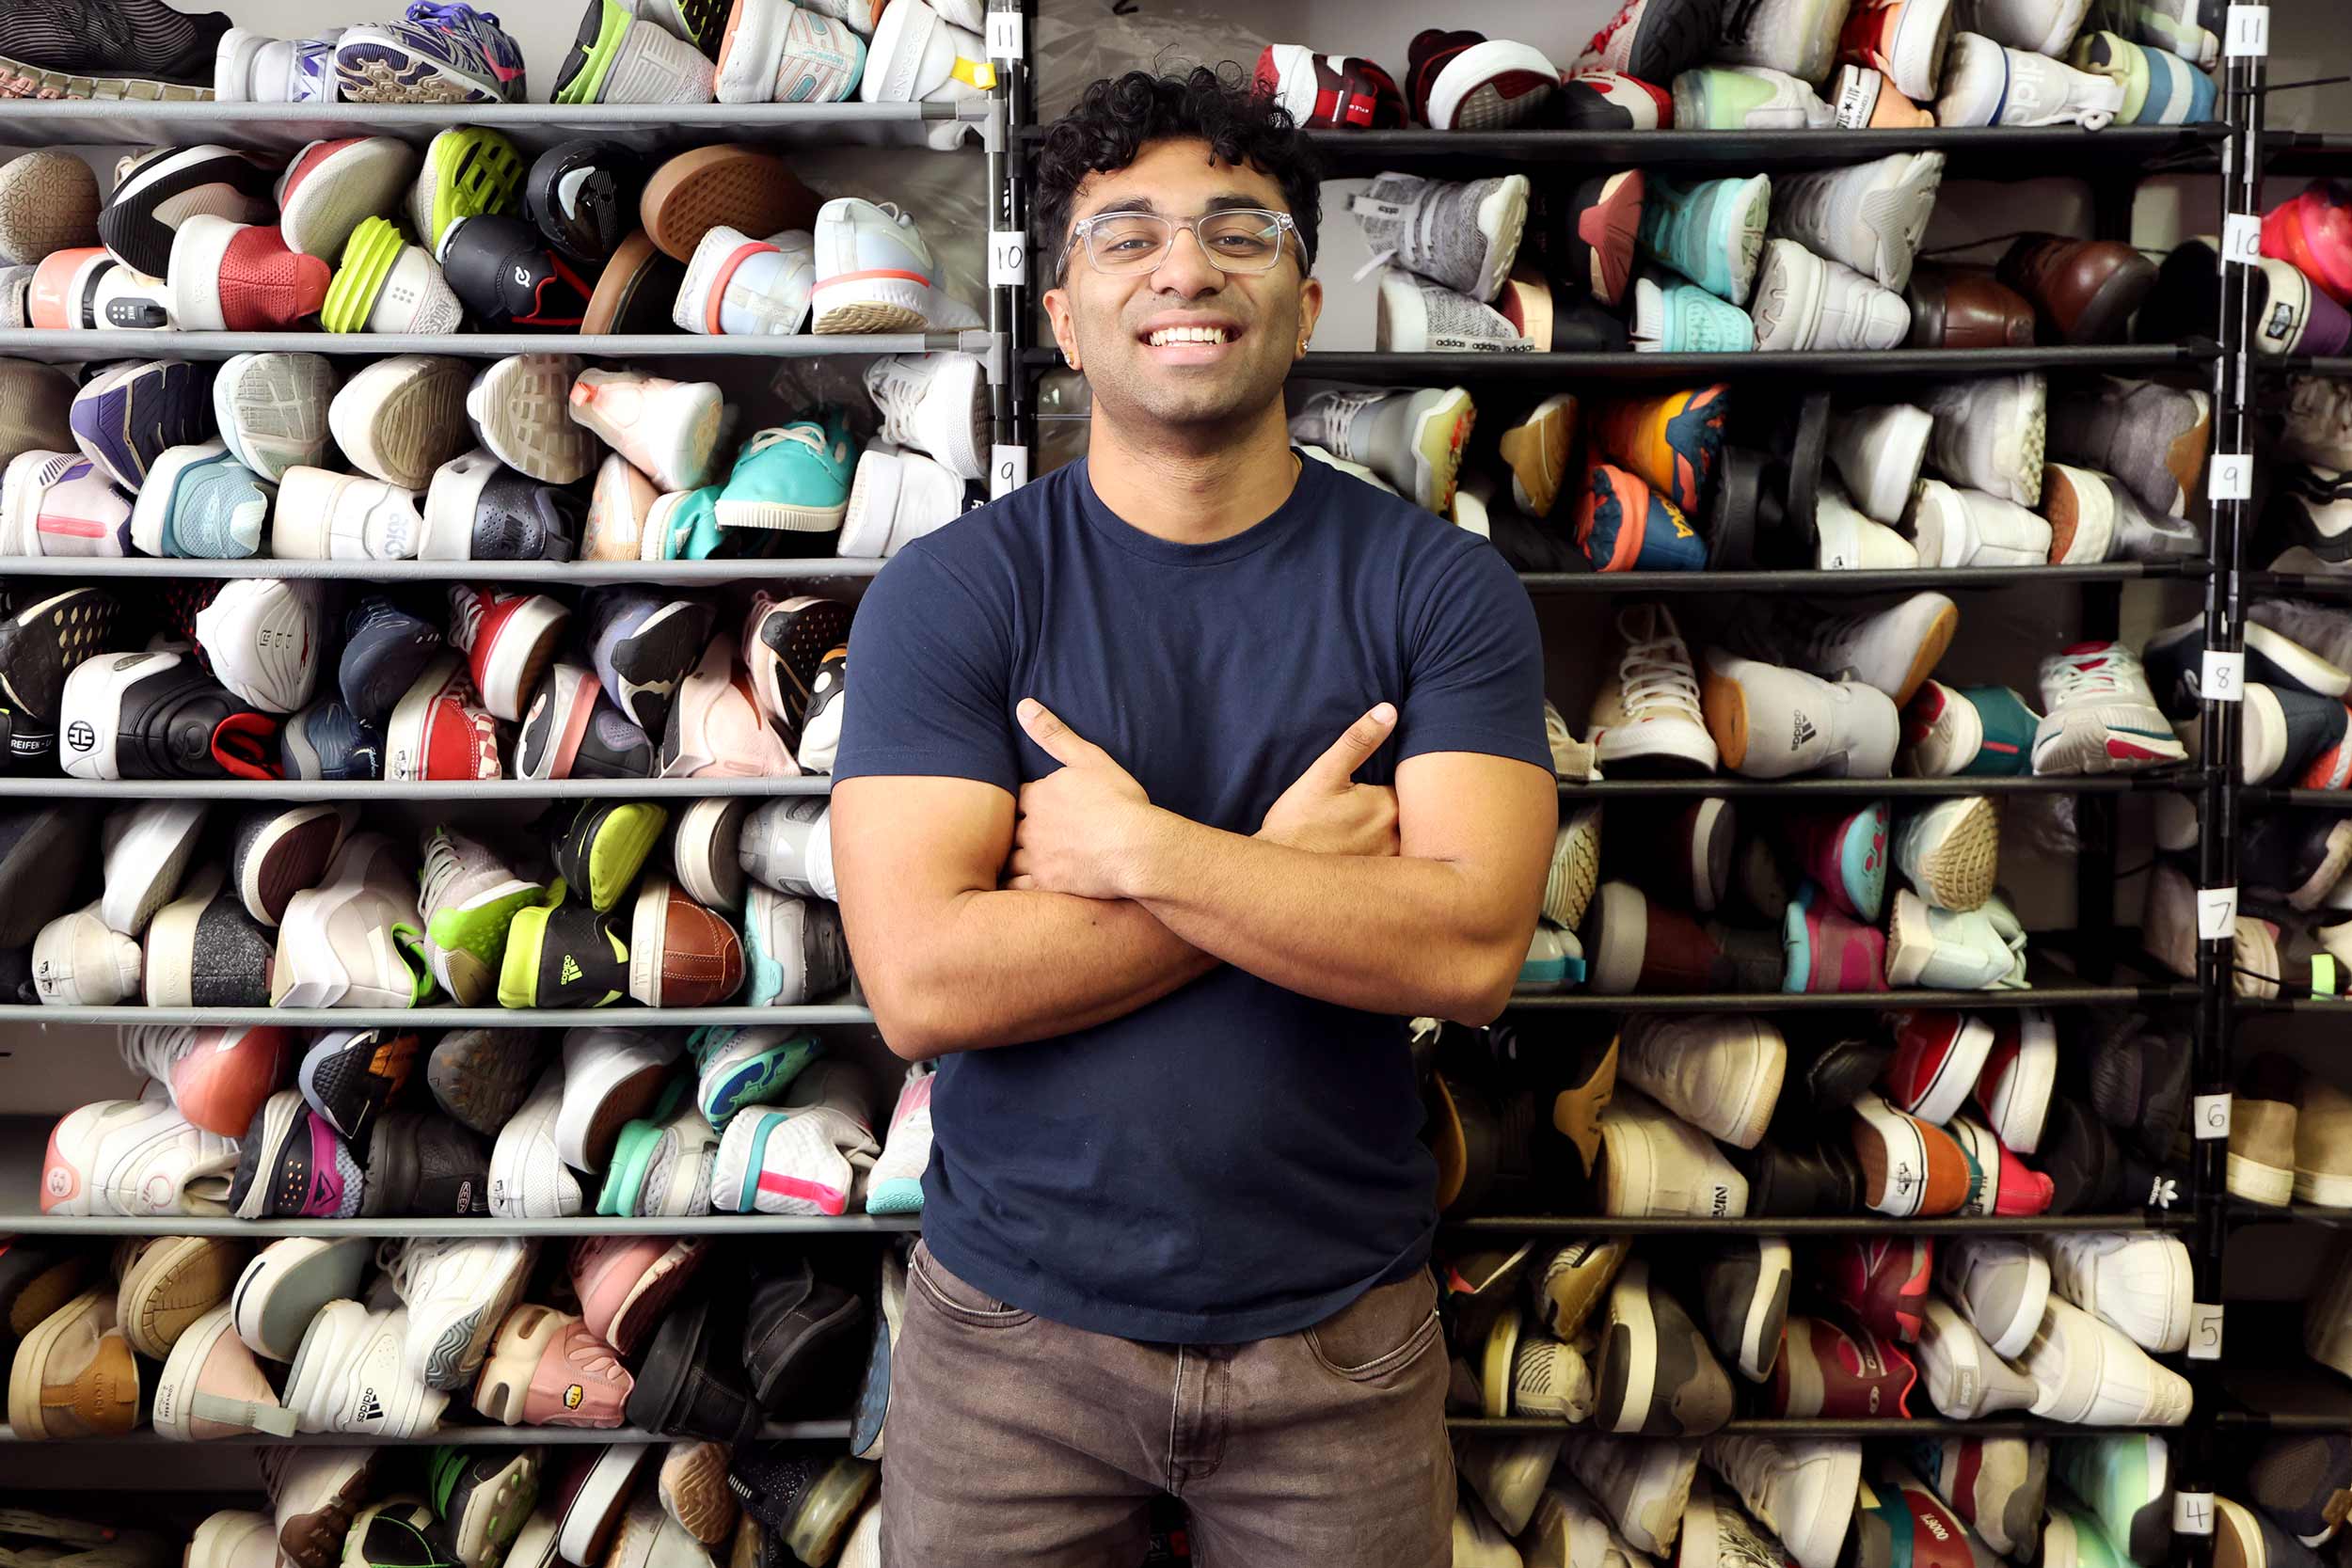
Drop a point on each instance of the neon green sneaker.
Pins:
(469, 901)
(466, 171)
(605, 845)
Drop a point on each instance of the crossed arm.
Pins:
(979, 920)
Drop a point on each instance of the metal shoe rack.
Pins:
(895, 131)
(2103, 967)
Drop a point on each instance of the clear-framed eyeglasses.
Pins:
(1238, 239)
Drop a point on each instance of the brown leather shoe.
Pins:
(74, 1376)
(2083, 290)
(1963, 308)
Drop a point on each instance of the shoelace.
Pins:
(441, 868)
(1611, 27)
(151, 1048)
(398, 1262)
(1339, 411)
(1656, 674)
(806, 435)
(455, 13)
(2104, 672)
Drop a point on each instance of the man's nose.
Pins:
(1186, 269)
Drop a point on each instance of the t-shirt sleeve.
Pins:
(1474, 669)
(929, 671)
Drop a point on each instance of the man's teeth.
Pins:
(1187, 335)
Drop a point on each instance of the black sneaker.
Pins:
(419, 1163)
(599, 847)
(793, 1324)
(147, 39)
(573, 730)
(480, 1076)
(567, 956)
(1818, 1178)
(40, 646)
(805, 1501)
(583, 194)
(1824, 1077)
(482, 1496)
(2138, 1082)
(519, 518)
(2297, 856)
(157, 191)
(43, 849)
(396, 1535)
(507, 277)
(385, 650)
(688, 1384)
(2079, 1156)
(348, 1076)
(204, 949)
(325, 741)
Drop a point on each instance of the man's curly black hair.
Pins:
(1119, 116)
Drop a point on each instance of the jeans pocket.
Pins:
(959, 1301)
(1382, 1330)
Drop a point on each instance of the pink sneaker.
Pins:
(545, 1369)
(1845, 853)
(1999, 1182)
(626, 1281)
(1829, 951)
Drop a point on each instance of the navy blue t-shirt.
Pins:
(1234, 1161)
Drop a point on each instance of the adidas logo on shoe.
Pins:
(370, 1408)
(1804, 731)
(570, 971)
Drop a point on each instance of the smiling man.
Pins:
(1175, 783)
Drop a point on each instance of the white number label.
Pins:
(2249, 30)
(2210, 1116)
(1008, 257)
(2232, 477)
(2242, 240)
(1004, 36)
(2221, 677)
(2204, 1332)
(1007, 469)
(2192, 1514)
(2216, 914)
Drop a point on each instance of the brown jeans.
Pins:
(1017, 1440)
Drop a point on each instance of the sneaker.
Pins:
(804, 1161)
(2001, 1285)
(146, 848)
(2304, 231)
(478, 509)
(793, 948)
(1746, 1290)
(741, 286)
(1747, 98)
(469, 901)
(1413, 439)
(2102, 717)
(788, 53)
(386, 653)
(241, 278)
(529, 1178)
(1823, 951)
(331, 186)
(217, 1078)
(481, 1499)
(502, 270)
(681, 954)
(1868, 217)
(2290, 736)
(873, 271)
(159, 716)
(1970, 731)
(1650, 717)
(441, 54)
(1657, 1164)
(546, 1368)
(611, 1076)
(1640, 944)
(58, 504)
(354, 941)
(933, 403)
(1844, 855)
(684, 526)
(560, 956)
(1722, 1074)
(519, 409)
(572, 729)
(1585, 238)
(1655, 1374)
(668, 430)
(198, 501)
(1335, 91)
(741, 1067)
(895, 497)
(1985, 84)
(1463, 81)
(157, 192)
(349, 1075)
(508, 639)
(1938, 1058)
(1672, 442)
(291, 1164)
(466, 171)
(124, 416)
(1909, 1166)
(619, 58)
(1422, 224)
(479, 1076)
(78, 961)
(1949, 851)
(1804, 303)
(1902, 38)
(204, 950)
(40, 644)
(2092, 1374)
(1958, 527)
(1771, 722)
(261, 636)
(895, 1185)
(139, 1158)
(1674, 317)
(715, 729)
(2019, 1074)
(626, 1283)
(916, 56)
(398, 419)
(2140, 1283)
(349, 1376)
(1966, 1380)
(2300, 1484)
(1833, 1368)
(619, 506)
(425, 1165)
(1804, 1491)
(438, 731)
(456, 1294)
(581, 195)
(793, 477)
(1645, 1487)
(2159, 86)
(1989, 434)
(2152, 438)
(1980, 949)
(1878, 451)
(74, 1374)
(745, 188)
(1710, 230)
(600, 849)
(2323, 1174)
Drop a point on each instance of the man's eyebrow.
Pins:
(1125, 204)
(1229, 200)
(1224, 202)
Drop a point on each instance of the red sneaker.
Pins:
(1885, 1281)
(1465, 81)
(1339, 90)
(1829, 951)
(2313, 230)
(2000, 1183)
(508, 639)
(1832, 1366)
(438, 731)
(1938, 1058)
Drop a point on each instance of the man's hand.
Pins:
(1326, 812)
(1077, 825)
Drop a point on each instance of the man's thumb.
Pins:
(1357, 743)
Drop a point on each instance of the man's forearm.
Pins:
(1382, 933)
(1008, 966)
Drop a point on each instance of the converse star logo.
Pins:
(1804, 731)
(370, 1408)
(570, 971)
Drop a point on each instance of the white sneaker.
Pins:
(286, 1284)
(1413, 316)
(145, 849)
(1643, 1483)
(1846, 541)
(1966, 1380)
(139, 1158)
(936, 403)
(1660, 1165)
(1978, 949)
(528, 1179)
(1950, 850)
(1803, 302)
(775, 52)
(352, 942)
(262, 636)
(2099, 716)
(456, 1290)
(1772, 722)
(1989, 435)
(270, 409)
(2140, 1283)
(1954, 527)
(896, 496)
(234, 1537)
(787, 846)
(918, 55)
(1894, 649)
(2092, 1374)
(1799, 37)
(330, 516)
(1411, 438)
(668, 430)
(1985, 84)
(1803, 1492)
(521, 411)
(1722, 1074)
(1869, 217)
(2001, 1285)
(1650, 713)
(620, 504)
(610, 1076)
(2037, 27)
(348, 1376)
(874, 272)
(78, 961)
(1507, 1473)
(1570, 1526)
(1463, 235)
(739, 286)
(1879, 451)
(2019, 1075)
(1550, 1378)
(398, 419)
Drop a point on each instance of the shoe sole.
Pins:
(354, 184)
(1934, 639)
(290, 855)
(265, 403)
(468, 946)
(832, 1503)
(316, 1539)
(1762, 1325)
(493, 1509)
(597, 47)
(693, 1486)
(635, 267)
(1492, 85)
(1537, 451)
(418, 424)
(502, 1387)
(47, 203)
(1616, 933)
(177, 1280)
(2124, 737)
(521, 411)
(593, 1511)
(454, 1348)
(1575, 870)
(1959, 871)
(1625, 1385)
(26, 1381)
(1439, 433)
(369, 255)
(473, 172)
(651, 1295)
(740, 187)
(1724, 704)
(373, 66)
(654, 661)
(1609, 228)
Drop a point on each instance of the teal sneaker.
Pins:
(1712, 231)
(1672, 315)
(623, 1193)
(682, 525)
(2127, 1481)
(793, 477)
(1968, 732)
(198, 501)
(751, 1066)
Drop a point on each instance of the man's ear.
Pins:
(1310, 309)
(1065, 330)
